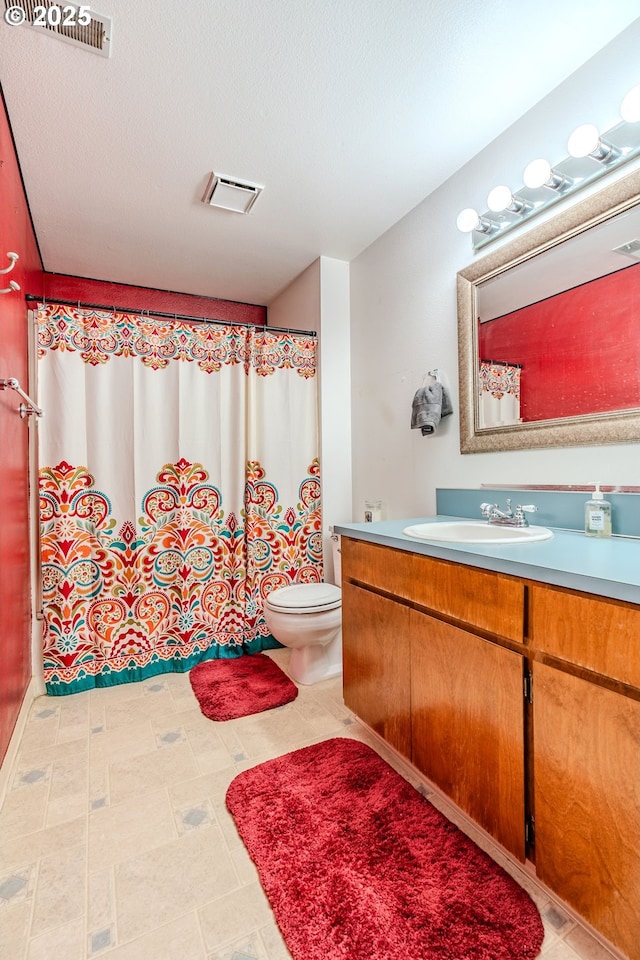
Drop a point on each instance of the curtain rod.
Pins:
(169, 316)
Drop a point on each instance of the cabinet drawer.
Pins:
(487, 601)
(601, 635)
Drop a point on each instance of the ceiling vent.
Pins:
(629, 249)
(230, 193)
(70, 22)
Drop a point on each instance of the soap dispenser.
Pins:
(597, 515)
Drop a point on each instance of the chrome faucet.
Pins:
(508, 517)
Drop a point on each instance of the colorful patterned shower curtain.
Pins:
(179, 485)
(499, 393)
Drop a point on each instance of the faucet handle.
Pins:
(521, 509)
(486, 508)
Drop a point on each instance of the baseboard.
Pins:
(35, 689)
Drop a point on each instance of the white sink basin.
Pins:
(476, 531)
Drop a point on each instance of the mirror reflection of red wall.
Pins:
(579, 350)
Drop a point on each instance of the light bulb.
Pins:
(537, 173)
(499, 199)
(630, 108)
(468, 220)
(584, 140)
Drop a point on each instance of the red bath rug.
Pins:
(227, 689)
(358, 865)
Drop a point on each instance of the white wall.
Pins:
(298, 306)
(318, 299)
(403, 314)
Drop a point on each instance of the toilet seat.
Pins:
(305, 598)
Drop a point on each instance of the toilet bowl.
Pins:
(307, 618)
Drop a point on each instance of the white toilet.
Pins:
(307, 617)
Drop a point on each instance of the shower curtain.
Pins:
(179, 485)
(499, 387)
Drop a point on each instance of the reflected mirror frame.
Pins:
(598, 428)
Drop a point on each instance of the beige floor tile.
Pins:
(75, 709)
(234, 915)
(55, 751)
(61, 890)
(97, 714)
(72, 733)
(171, 880)
(101, 904)
(275, 946)
(275, 732)
(129, 712)
(128, 829)
(114, 694)
(121, 743)
(250, 946)
(324, 722)
(560, 951)
(585, 945)
(20, 850)
(23, 811)
(151, 771)
(65, 941)
(228, 733)
(14, 930)
(98, 784)
(207, 787)
(45, 708)
(245, 867)
(65, 809)
(204, 736)
(69, 777)
(38, 736)
(178, 940)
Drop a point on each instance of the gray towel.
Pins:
(430, 404)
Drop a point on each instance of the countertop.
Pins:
(604, 567)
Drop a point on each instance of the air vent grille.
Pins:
(629, 249)
(230, 193)
(66, 21)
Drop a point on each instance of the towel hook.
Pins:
(12, 257)
(435, 373)
(13, 286)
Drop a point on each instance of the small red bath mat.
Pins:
(227, 689)
(357, 865)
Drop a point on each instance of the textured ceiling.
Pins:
(350, 112)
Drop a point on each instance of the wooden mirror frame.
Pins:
(594, 429)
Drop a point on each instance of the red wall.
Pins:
(16, 234)
(122, 295)
(579, 350)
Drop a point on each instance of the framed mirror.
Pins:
(549, 331)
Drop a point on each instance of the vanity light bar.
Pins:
(591, 156)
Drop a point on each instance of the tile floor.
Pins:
(115, 841)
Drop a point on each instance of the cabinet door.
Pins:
(468, 724)
(375, 644)
(587, 798)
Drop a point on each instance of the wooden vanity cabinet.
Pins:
(435, 654)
